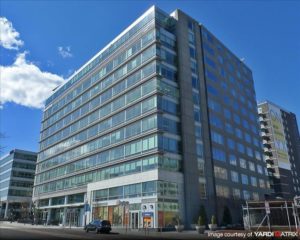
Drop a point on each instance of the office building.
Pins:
(17, 170)
(281, 141)
(159, 122)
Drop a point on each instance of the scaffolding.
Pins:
(271, 215)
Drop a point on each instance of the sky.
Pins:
(43, 42)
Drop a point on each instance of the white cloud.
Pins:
(65, 52)
(25, 84)
(9, 37)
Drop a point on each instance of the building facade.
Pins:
(280, 136)
(159, 122)
(17, 171)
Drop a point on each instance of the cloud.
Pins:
(65, 52)
(9, 37)
(25, 84)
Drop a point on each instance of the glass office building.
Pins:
(135, 135)
(281, 141)
(16, 182)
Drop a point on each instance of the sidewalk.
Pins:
(190, 234)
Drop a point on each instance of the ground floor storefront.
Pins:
(64, 216)
(137, 215)
(15, 210)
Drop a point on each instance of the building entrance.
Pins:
(73, 217)
(134, 220)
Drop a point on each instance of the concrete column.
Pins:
(1, 209)
(48, 216)
(65, 216)
(6, 210)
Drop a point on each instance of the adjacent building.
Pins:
(159, 122)
(17, 170)
(281, 141)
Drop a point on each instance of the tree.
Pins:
(227, 219)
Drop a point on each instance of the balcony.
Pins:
(269, 159)
(265, 135)
(261, 119)
(266, 143)
(263, 127)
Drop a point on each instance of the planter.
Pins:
(212, 227)
(200, 229)
(179, 228)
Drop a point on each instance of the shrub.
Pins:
(213, 219)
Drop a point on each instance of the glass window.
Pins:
(244, 179)
(230, 143)
(252, 166)
(234, 176)
(253, 181)
(232, 159)
(220, 172)
(243, 163)
(217, 138)
(219, 155)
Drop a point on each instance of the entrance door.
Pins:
(73, 217)
(45, 216)
(134, 220)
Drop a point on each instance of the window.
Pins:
(252, 166)
(212, 91)
(232, 159)
(261, 183)
(247, 137)
(217, 138)
(227, 113)
(243, 163)
(249, 152)
(255, 196)
(246, 195)
(244, 179)
(241, 148)
(229, 128)
(253, 181)
(234, 176)
(211, 76)
(230, 143)
(192, 52)
(202, 188)
(258, 155)
(220, 173)
(197, 115)
(239, 133)
(222, 191)
(199, 149)
(215, 121)
(236, 193)
(219, 155)
(259, 169)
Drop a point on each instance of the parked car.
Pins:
(100, 226)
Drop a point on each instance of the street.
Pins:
(28, 232)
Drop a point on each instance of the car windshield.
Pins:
(95, 222)
(105, 222)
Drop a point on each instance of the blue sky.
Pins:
(57, 37)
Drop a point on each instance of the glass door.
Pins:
(134, 220)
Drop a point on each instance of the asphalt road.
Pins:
(27, 232)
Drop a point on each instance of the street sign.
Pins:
(297, 201)
(267, 206)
